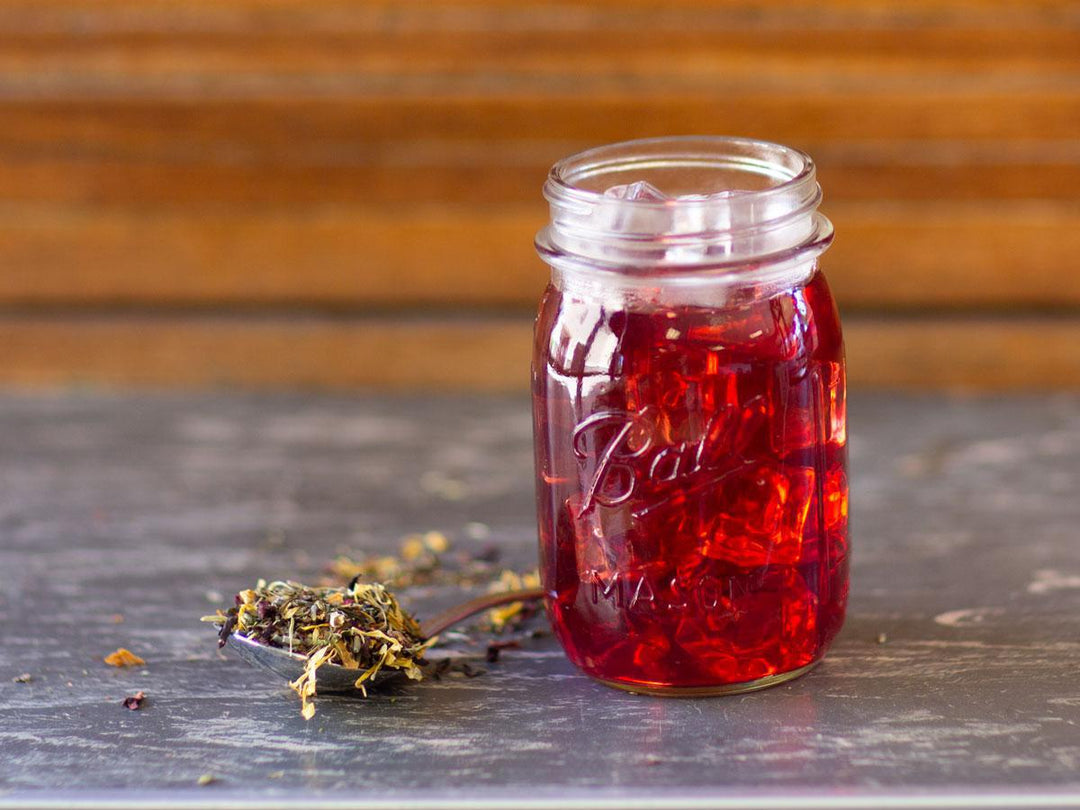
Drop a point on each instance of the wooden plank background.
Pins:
(339, 194)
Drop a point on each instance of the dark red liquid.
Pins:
(692, 485)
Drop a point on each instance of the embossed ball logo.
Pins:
(626, 460)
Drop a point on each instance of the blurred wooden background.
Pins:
(292, 193)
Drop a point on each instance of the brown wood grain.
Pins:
(169, 166)
(887, 256)
(242, 16)
(492, 354)
(259, 159)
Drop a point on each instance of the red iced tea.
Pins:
(692, 484)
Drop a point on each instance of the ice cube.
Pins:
(638, 190)
(758, 516)
(618, 212)
(836, 500)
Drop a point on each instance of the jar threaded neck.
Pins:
(683, 203)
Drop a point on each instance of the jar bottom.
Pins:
(710, 691)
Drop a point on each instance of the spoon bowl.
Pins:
(290, 665)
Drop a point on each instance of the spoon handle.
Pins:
(480, 603)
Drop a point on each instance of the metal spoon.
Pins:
(336, 678)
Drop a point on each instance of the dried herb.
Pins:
(423, 559)
(515, 614)
(429, 559)
(134, 702)
(448, 666)
(123, 658)
(496, 647)
(359, 627)
(206, 779)
(26, 677)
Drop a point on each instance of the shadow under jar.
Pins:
(689, 414)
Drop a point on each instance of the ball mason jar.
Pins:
(689, 414)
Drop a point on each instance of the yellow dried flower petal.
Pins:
(412, 547)
(123, 658)
(436, 541)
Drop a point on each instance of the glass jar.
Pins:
(689, 413)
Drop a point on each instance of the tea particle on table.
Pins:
(496, 647)
(117, 618)
(882, 638)
(123, 658)
(134, 702)
(477, 531)
(422, 559)
(26, 677)
(206, 779)
(515, 614)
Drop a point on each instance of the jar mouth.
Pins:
(687, 169)
(683, 201)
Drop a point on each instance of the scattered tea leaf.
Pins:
(206, 779)
(422, 559)
(427, 559)
(123, 658)
(26, 677)
(436, 542)
(134, 702)
(516, 613)
(496, 647)
(469, 671)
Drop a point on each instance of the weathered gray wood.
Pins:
(967, 558)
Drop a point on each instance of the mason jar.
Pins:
(689, 411)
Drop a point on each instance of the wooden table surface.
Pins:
(967, 560)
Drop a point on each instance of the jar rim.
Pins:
(790, 167)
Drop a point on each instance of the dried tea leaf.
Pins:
(26, 677)
(134, 702)
(206, 779)
(123, 658)
(496, 647)
(436, 542)
(360, 627)
(423, 559)
(515, 613)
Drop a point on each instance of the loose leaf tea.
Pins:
(360, 626)
(423, 559)
(429, 559)
(123, 658)
(134, 702)
(515, 614)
